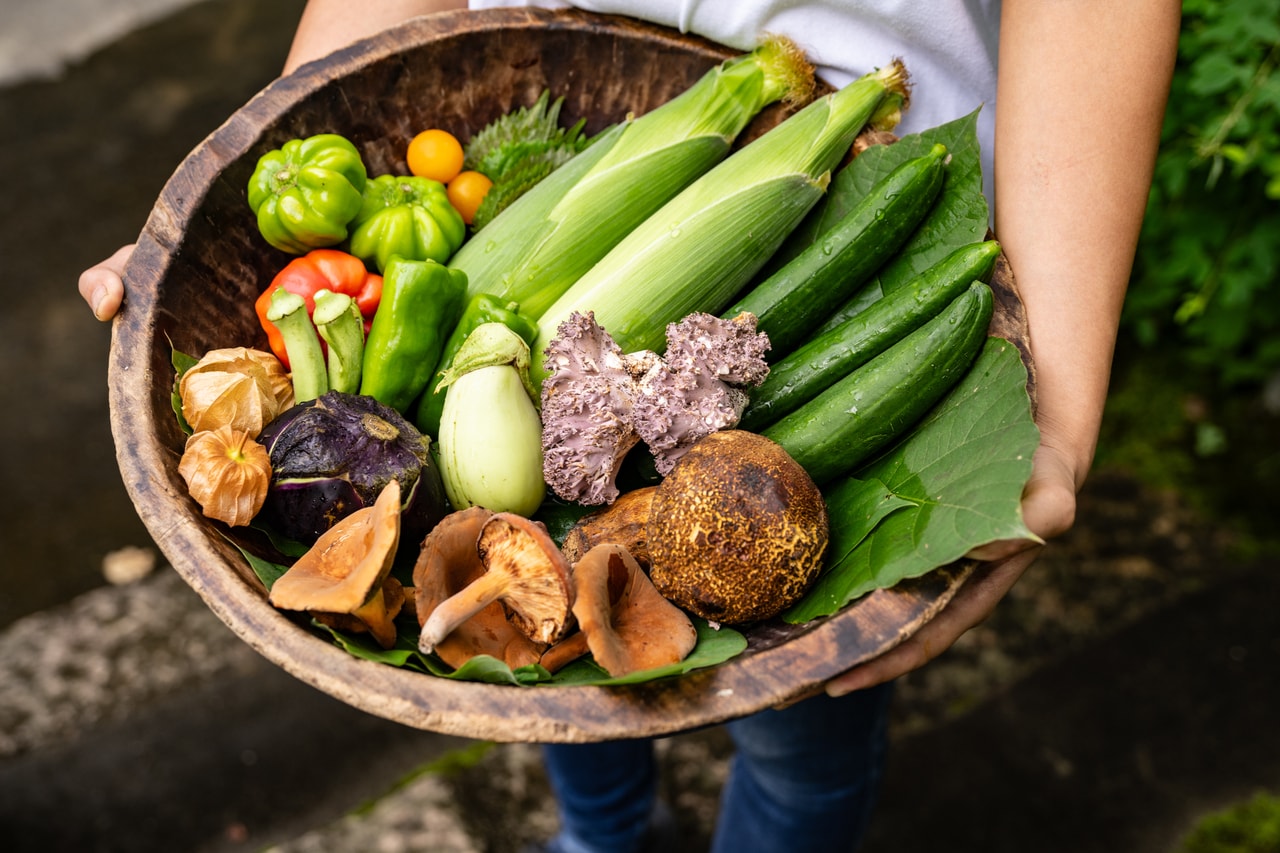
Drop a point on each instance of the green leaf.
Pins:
(490, 670)
(714, 646)
(559, 516)
(404, 654)
(859, 505)
(267, 571)
(962, 470)
(283, 544)
(181, 364)
(1215, 73)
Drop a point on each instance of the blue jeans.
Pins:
(802, 778)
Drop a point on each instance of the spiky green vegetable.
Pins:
(518, 150)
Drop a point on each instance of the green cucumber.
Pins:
(842, 427)
(825, 358)
(801, 295)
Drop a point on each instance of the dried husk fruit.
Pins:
(239, 387)
(227, 473)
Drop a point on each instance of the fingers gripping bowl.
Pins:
(201, 263)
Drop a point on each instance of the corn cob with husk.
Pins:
(698, 251)
(535, 249)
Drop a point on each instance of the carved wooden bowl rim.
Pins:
(782, 663)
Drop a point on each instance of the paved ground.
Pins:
(1125, 688)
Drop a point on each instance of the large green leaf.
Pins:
(962, 470)
(856, 508)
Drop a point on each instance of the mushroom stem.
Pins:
(565, 652)
(460, 607)
(374, 614)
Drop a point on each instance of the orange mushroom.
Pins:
(449, 562)
(524, 571)
(622, 619)
(345, 572)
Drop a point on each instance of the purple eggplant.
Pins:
(332, 455)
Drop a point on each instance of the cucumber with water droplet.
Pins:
(828, 356)
(799, 297)
(841, 428)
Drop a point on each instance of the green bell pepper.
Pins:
(421, 303)
(406, 216)
(306, 192)
(481, 308)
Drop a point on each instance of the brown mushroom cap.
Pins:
(626, 623)
(394, 597)
(345, 570)
(524, 570)
(448, 562)
(624, 522)
(737, 530)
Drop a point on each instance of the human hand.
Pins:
(102, 285)
(1048, 509)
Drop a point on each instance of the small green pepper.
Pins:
(481, 308)
(406, 216)
(306, 192)
(421, 302)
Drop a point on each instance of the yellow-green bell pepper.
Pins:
(409, 217)
(306, 192)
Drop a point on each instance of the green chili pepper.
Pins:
(406, 216)
(306, 192)
(421, 302)
(481, 308)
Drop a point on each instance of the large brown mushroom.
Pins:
(345, 572)
(624, 622)
(524, 570)
(449, 562)
(737, 530)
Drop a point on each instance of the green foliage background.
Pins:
(1195, 401)
(1250, 827)
(1204, 286)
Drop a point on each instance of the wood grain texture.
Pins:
(200, 263)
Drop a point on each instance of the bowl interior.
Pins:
(200, 263)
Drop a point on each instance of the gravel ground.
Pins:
(133, 720)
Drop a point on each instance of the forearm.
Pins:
(1082, 89)
(327, 25)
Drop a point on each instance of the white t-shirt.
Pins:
(949, 46)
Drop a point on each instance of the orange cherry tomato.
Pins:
(435, 154)
(466, 191)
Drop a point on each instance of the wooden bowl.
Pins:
(200, 263)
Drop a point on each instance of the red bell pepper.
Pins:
(321, 269)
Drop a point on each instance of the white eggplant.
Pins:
(490, 440)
